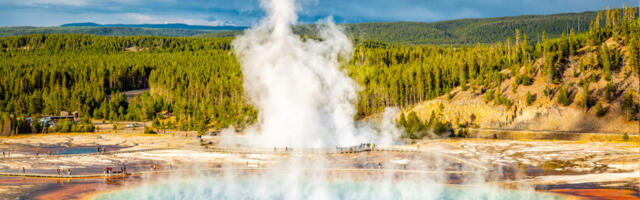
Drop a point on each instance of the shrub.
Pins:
(563, 97)
(503, 100)
(156, 123)
(609, 92)
(600, 111)
(88, 128)
(547, 91)
(462, 133)
(62, 126)
(628, 106)
(413, 125)
(586, 99)
(72, 127)
(149, 130)
(625, 137)
(523, 79)
(488, 97)
(439, 128)
(529, 99)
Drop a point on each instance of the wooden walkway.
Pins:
(346, 170)
(83, 154)
(74, 176)
(279, 151)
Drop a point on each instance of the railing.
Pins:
(82, 154)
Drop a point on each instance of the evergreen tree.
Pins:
(529, 98)
(600, 111)
(563, 98)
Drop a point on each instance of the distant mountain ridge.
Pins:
(161, 26)
(457, 32)
(102, 31)
(450, 32)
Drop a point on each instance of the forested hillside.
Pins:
(585, 82)
(463, 31)
(200, 82)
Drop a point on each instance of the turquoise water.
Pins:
(77, 150)
(250, 188)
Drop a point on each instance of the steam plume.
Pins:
(303, 97)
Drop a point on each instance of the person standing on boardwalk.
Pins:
(58, 171)
(23, 172)
(69, 172)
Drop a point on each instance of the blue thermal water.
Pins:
(77, 150)
(251, 188)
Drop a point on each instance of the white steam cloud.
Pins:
(303, 97)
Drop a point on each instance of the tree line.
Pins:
(199, 81)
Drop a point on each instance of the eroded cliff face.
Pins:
(542, 117)
(470, 107)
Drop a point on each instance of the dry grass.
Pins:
(544, 114)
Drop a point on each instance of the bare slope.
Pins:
(469, 107)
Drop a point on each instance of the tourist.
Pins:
(23, 171)
(69, 172)
(58, 171)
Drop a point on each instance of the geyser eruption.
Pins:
(306, 100)
(303, 97)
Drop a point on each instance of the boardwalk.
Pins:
(74, 176)
(345, 170)
(83, 154)
(279, 151)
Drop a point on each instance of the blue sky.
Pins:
(248, 12)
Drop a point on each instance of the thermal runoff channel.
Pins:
(303, 97)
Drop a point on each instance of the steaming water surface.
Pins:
(253, 188)
(304, 99)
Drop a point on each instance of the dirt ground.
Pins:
(544, 164)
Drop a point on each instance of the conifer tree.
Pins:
(563, 98)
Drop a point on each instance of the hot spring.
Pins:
(261, 188)
(305, 104)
